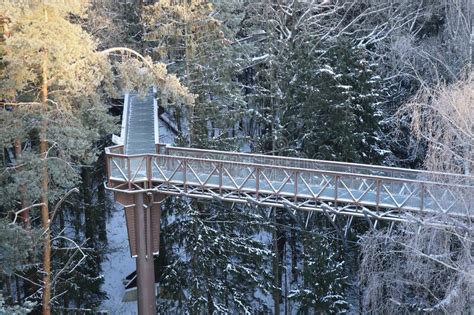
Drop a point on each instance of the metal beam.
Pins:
(145, 265)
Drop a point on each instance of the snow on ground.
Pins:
(117, 265)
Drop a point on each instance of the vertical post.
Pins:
(257, 183)
(220, 178)
(296, 185)
(422, 197)
(129, 174)
(155, 221)
(379, 187)
(184, 176)
(145, 265)
(148, 170)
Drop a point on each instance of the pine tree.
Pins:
(51, 75)
(56, 80)
(189, 36)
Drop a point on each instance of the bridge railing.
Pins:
(335, 166)
(198, 176)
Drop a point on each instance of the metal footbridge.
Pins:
(141, 163)
(141, 171)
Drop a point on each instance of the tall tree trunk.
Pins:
(188, 56)
(210, 303)
(46, 223)
(8, 288)
(89, 217)
(294, 257)
(45, 187)
(18, 290)
(470, 18)
(102, 203)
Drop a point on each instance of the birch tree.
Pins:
(415, 268)
(443, 117)
(421, 267)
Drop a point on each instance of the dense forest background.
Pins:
(386, 82)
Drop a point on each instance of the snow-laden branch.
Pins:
(60, 202)
(130, 51)
(16, 213)
(70, 260)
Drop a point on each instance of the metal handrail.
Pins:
(334, 163)
(353, 166)
(318, 171)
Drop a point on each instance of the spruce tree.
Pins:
(333, 104)
(216, 262)
(322, 287)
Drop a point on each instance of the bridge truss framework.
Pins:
(141, 179)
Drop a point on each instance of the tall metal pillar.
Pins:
(145, 266)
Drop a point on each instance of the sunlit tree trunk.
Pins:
(44, 187)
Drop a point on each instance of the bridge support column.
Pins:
(145, 265)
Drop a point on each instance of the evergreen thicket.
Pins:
(339, 80)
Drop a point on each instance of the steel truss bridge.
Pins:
(140, 169)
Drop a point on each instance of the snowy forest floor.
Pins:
(117, 265)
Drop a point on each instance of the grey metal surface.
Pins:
(140, 132)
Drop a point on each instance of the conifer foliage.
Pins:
(333, 107)
(51, 77)
(54, 85)
(190, 37)
(216, 261)
(313, 79)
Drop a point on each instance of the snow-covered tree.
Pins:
(18, 248)
(51, 76)
(286, 43)
(16, 309)
(216, 263)
(426, 267)
(332, 104)
(322, 288)
(415, 268)
(53, 88)
(443, 118)
(191, 38)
